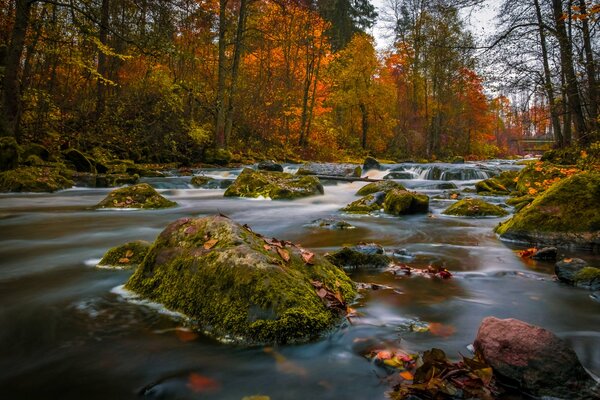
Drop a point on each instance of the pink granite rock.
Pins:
(534, 359)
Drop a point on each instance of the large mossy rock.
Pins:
(577, 272)
(366, 204)
(474, 208)
(34, 179)
(273, 185)
(9, 153)
(533, 359)
(380, 186)
(537, 177)
(34, 149)
(402, 202)
(137, 196)
(238, 286)
(567, 214)
(361, 256)
(79, 161)
(128, 255)
(502, 184)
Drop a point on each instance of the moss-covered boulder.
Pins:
(128, 255)
(361, 256)
(34, 149)
(380, 186)
(34, 179)
(201, 180)
(137, 196)
(269, 165)
(539, 176)
(577, 272)
(366, 204)
(273, 185)
(9, 153)
(588, 278)
(401, 202)
(241, 287)
(79, 161)
(567, 214)
(371, 163)
(520, 202)
(475, 208)
(502, 184)
(206, 182)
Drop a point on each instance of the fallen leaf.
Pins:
(199, 383)
(284, 365)
(284, 254)
(267, 247)
(528, 253)
(307, 256)
(128, 253)
(439, 329)
(210, 244)
(124, 260)
(185, 334)
(407, 375)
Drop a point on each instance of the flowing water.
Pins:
(67, 330)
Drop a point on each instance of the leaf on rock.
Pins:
(267, 247)
(129, 253)
(124, 260)
(201, 384)
(284, 254)
(210, 244)
(307, 256)
(528, 253)
(407, 375)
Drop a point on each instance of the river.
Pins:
(67, 330)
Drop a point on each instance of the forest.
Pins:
(186, 80)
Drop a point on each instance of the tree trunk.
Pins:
(12, 93)
(239, 36)
(365, 124)
(590, 68)
(220, 121)
(566, 63)
(102, 59)
(548, 79)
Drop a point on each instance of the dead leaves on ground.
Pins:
(429, 272)
(281, 248)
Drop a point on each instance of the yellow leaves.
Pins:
(532, 191)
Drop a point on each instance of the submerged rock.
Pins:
(380, 186)
(239, 286)
(273, 185)
(533, 359)
(34, 179)
(369, 255)
(565, 215)
(269, 166)
(474, 208)
(206, 182)
(137, 196)
(330, 223)
(128, 255)
(9, 153)
(401, 202)
(371, 163)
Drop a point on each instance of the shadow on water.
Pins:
(66, 334)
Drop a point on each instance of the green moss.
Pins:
(9, 153)
(539, 176)
(33, 179)
(235, 288)
(33, 161)
(136, 196)
(127, 255)
(569, 207)
(200, 181)
(520, 202)
(381, 186)
(588, 277)
(566, 156)
(474, 208)
(366, 204)
(353, 258)
(502, 184)
(34, 149)
(217, 156)
(79, 161)
(400, 202)
(273, 185)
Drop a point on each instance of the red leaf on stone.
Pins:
(210, 244)
(284, 254)
(307, 256)
(199, 383)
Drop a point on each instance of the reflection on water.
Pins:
(67, 333)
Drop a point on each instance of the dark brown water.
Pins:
(67, 331)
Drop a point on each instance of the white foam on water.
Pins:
(134, 298)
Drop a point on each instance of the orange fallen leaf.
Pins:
(307, 256)
(284, 254)
(124, 260)
(210, 243)
(407, 375)
(129, 253)
(267, 247)
(439, 329)
(384, 355)
(199, 383)
(185, 334)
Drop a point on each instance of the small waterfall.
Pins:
(440, 173)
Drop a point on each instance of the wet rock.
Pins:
(588, 278)
(546, 254)
(330, 223)
(34, 149)
(239, 286)
(371, 163)
(502, 184)
(79, 161)
(274, 185)
(366, 204)
(113, 180)
(532, 358)
(361, 256)
(401, 202)
(34, 179)
(201, 181)
(446, 186)
(520, 202)
(269, 166)
(217, 156)
(137, 196)
(328, 169)
(9, 153)
(565, 215)
(128, 255)
(457, 160)
(380, 186)
(399, 175)
(470, 207)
